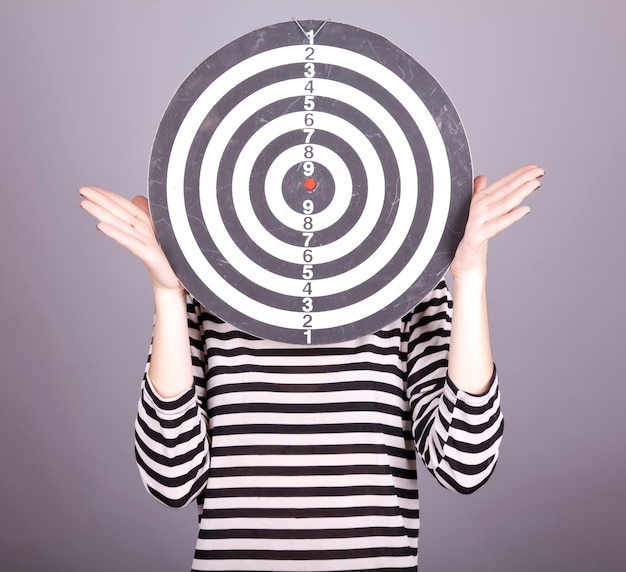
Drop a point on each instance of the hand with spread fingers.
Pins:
(128, 223)
(493, 208)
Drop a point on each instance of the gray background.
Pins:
(83, 86)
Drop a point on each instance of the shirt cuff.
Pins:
(486, 393)
(169, 404)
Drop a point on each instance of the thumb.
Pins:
(142, 203)
(480, 183)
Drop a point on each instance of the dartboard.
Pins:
(310, 182)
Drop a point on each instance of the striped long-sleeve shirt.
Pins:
(304, 458)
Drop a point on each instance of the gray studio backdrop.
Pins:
(83, 86)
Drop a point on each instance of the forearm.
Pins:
(470, 361)
(170, 364)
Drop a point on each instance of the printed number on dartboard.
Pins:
(308, 170)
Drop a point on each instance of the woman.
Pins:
(305, 457)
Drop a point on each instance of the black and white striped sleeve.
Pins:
(171, 439)
(457, 434)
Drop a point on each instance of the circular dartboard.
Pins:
(310, 182)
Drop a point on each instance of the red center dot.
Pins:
(310, 184)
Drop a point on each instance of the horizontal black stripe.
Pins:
(319, 429)
(164, 461)
(416, 377)
(284, 492)
(477, 409)
(455, 485)
(365, 407)
(182, 437)
(196, 486)
(287, 512)
(469, 470)
(354, 567)
(167, 422)
(305, 555)
(342, 449)
(305, 471)
(480, 447)
(167, 481)
(389, 333)
(306, 533)
(430, 350)
(301, 352)
(225, 336)
(428, 335)
(476, 428)
(334, 387)
(330, 369)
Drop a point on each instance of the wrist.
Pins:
(163, 295)
(469, 263)
(476, 275)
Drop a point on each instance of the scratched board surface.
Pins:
(310, 182)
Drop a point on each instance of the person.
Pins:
(304, 458)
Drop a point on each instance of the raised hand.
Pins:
(493, 208)
(128, 223)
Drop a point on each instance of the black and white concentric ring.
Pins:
(394, 170)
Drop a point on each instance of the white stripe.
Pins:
(284, 544)
(196, 462)
(319, 398)
(295, 483)
(337, 460)
(316, 502)
(282, 421)
(360, 438)
(474, 438)
(341, 565)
